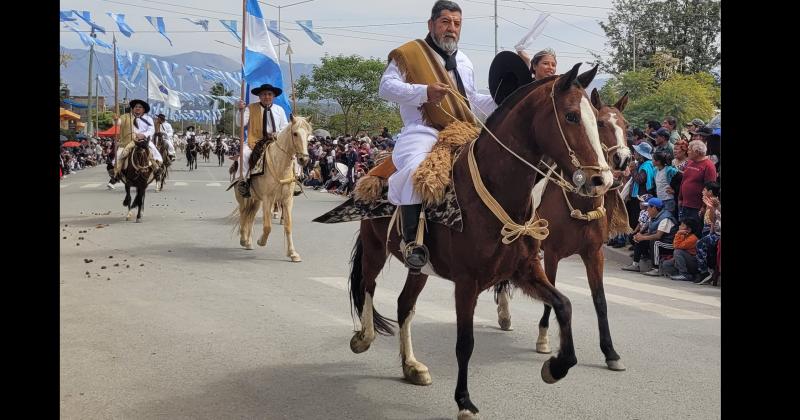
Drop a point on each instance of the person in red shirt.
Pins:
(698, 171)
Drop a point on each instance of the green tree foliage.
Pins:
(352, 83)
(688, 29)
(104, 121)
(683, 96)
(225, 123)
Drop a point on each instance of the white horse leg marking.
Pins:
(589, 123)
(414, 371)
(363, 339)
(504, 311)
(543, 341)
(287, 230)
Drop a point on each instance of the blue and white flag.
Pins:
(89, 41)
(309, 29)
(158, 91)
(231, 25)
(159, 25)
(236, 83)
(133, 75)
(120, 20)
(102, 43)
(168, 74)
(122, 63)
(87, 17)
(180, 81)
(273, 29)
(199, 22)
(66, 16)
(260, 60)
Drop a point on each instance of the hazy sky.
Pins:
(370, 28)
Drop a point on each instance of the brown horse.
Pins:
(161, 145)
(136, 172)
(205, 150)
(570, 236)
(549, 117)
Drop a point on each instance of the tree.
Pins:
(688, 29)
(225, 123)
(349, 81)
(638, 84)
(682, 96)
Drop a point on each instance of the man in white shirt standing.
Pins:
(264, 121)
(419, 77)
(162, 126)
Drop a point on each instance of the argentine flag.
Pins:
(260, 61)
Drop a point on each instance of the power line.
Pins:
(193, 7)
(560, 4)
(522, 8)
(568, 23)
(553, 38)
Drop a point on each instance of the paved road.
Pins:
(172, 319)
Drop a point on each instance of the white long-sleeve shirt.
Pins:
(147, 130)
(166, 128)
(411, 96)
(277, 113)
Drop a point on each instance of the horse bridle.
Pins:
(578, 177)
(298, 153)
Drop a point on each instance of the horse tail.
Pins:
(383, 325)
(247, 209)
(503, 286)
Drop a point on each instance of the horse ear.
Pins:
(565, 81)
(291, 118)
(586, 78)
(597, 102)
(620, 105)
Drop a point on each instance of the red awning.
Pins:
(111, 132)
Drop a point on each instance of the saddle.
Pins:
(257, 158)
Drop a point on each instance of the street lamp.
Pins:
(279, 19)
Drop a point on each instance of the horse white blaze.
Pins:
(622, 150)
(590, 125)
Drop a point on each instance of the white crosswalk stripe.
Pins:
(214, 184)
(180, 184)
(91, 185)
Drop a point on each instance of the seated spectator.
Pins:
(712, 229)
(656, 238)
(684, 259)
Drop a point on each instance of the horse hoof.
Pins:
(295, 258)
(543, 348)
(358, 344)
(467, 415)
(417, 374)
(505, 324)
(616, 365)
(242, 242)
(262, 241)
(547, 376)
(248, 246)
(129, 216)
(138, 220)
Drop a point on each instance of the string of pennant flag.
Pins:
(68, 17)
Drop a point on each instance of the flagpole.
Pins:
(241, 113)
(289, 53)
(116, 99)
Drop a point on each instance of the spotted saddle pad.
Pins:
(447, 213)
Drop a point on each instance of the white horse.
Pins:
(276, 185)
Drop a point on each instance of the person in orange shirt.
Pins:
(684, 258)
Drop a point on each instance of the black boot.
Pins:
(244, 188)
(417, 256)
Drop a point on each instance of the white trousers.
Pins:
(246, 152)
(412, 147)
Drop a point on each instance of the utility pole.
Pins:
(89, 87)
(96, 103)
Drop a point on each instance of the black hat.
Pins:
(506, 74)
(703, 131)
(161, 116)
(267, 86)
(140, 102)
(191, 127)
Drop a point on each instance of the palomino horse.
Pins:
(275, 185)
(570, 236)
(550, 117)
(191, 155)
(136, 172)
(161, 145)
